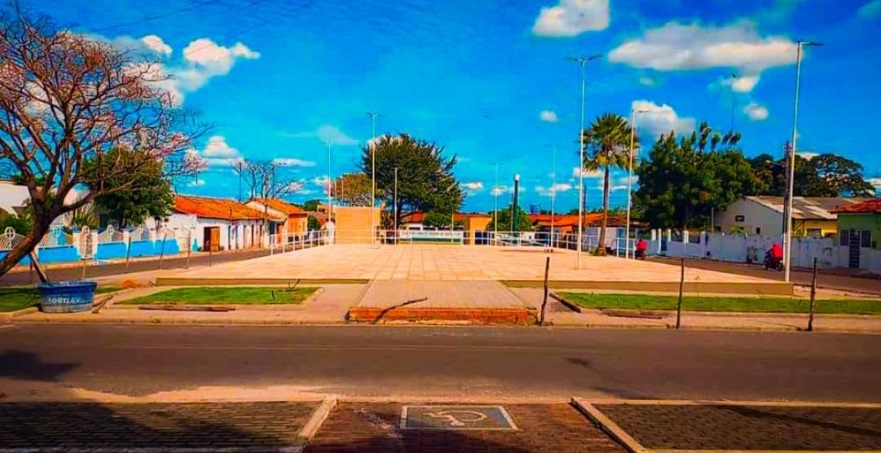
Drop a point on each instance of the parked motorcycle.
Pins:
(772, 263)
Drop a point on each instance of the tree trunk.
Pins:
(24, 248)
(601, 247)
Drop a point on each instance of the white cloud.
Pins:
(806, 155)
(647, 81)
(156, 44)
(675, 47)
(499, 190)
(587, 173)
(293, 162)
(334, 135)
(198, 182)
(556, 188)
(217, 152)
(205, 59)
(548, 116)
(473, 186)
(875, 182)
(320, 181)
(741, 84)
(870, 10)
(756, 111)
(660, 119)
(572, 18)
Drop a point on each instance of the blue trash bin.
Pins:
(66, 297)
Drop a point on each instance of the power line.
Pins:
(159, 16)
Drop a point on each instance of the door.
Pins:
(214, 234)
(853, 248)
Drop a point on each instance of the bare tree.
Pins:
(264, 180)
(66, 100)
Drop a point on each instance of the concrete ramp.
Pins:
(478, 302)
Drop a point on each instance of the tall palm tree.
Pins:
(607, 141)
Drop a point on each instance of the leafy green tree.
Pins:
(824, 175)
(21, 225)
(439, 220)
(352, 189)
(136, 189)
(681, 182)
(608, 142)
(425, 176)
(311, 205)
(506, 223)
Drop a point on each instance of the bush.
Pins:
(20, 225)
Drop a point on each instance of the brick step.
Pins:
(495, 316)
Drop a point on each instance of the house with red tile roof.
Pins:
(295, 222)
(220, 223)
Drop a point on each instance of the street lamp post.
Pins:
(329, 185)
(395, 209)
(787, 227)
(734, 78)
(373, 116)
(496, 206)
(582, 61)
(633, 113)
(515, 218)
(553, 189)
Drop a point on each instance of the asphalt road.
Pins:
(24, 277)
(828, 279)
(452, 362)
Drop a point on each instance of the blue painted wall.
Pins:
(141, 248)
(110, 251)
(24, 261)
(171, 247)
(62, 254)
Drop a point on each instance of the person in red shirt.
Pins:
(777, 252)
(774, 257)
(641, 246)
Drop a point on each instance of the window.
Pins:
(758, 230)
(866, 239)
(815, 233)
(844, 238)
(739, 218)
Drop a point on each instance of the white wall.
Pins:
(755, 215)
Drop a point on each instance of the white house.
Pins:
(811, 216)
(216, 223)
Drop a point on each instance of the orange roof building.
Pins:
(215, 208)
(294, 220)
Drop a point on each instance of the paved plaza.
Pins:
(451, 263)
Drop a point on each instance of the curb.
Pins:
(771, 288)
(182, 281)
(504, 316)
(572, 306)
(608, 426)
(6, 317)
(310, 429)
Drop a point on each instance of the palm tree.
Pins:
(607, 141)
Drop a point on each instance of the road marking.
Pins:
(456, 417)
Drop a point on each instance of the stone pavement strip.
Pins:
(748, 427)
(373, 428)
(145, 427)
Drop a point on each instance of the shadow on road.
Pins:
(27, 366)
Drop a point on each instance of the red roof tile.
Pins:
(215, 208)
(867, 207)
(561, 221)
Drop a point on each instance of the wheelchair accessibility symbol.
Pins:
(459, 419)
(456, 418)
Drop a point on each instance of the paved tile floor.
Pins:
(436, 294)
(374, 428)
(449, 262)
(249, 427)
(699, 427)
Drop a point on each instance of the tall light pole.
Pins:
(373, 116)
(395, 210)
(734, 78)
(496, 205)
(553, 188)
(329, 185)
(633, 113)
(787, 227)
(582, 61)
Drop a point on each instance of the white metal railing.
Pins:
(615, 246)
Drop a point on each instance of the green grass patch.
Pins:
(19, 297)
(249, 295)
(724, 304)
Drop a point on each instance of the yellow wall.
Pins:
(800, 228)
(352, 224)
(475, 224)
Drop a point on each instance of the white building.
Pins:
(811, 216)
(216, 223)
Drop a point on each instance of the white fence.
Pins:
(751, 249)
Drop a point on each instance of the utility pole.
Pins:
(787, 236)
(553, 189)
(582, 61)
(329, 185)
(515, 218)
(734, 78)
(395, 217)
(496, 205)
(373, 116)
(633, 113)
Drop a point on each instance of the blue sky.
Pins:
(490, 83)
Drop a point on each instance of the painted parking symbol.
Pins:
(456, 418)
